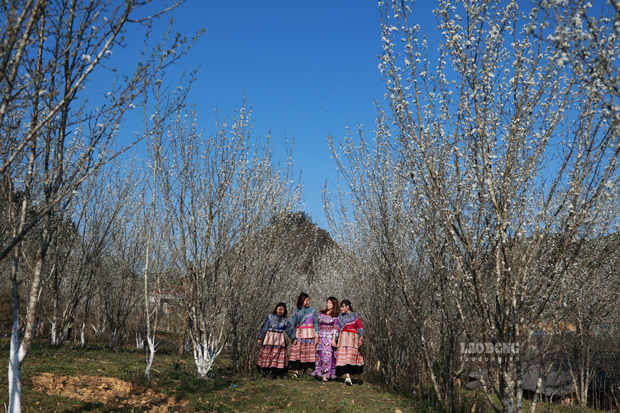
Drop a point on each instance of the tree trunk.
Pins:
(235, 339)
(83, 335)
(507, 390)
(112, 339)
(54, 332)
(205, 354)
(519, 388)
(537, 393)
(151, 349)
(54, 326)
(139, 341)
(183, 339)
(431, 373)
(14, 375)
(18, 351)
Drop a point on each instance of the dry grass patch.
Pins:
(107, 390)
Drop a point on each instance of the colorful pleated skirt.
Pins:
(348, 357)
(303, 353)
(272, 354)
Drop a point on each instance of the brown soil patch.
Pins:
(107, 390)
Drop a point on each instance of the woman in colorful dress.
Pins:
(328, 325)
(272, 355)
(349, 338)
(306, 324)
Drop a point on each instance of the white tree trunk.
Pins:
(83, 335)
(139, 342)
(99, 329)
(149, 361)
(15, 381)
(205, 354)
(18, 350)
(54, 333)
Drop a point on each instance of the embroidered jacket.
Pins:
(350, 322)
(305, 316)
(327, 324)
(277, 324)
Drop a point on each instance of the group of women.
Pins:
(328, 343)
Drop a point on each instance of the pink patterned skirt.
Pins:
(303, 353)
(272, 355)
(348, 356)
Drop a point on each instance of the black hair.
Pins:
(280, 304)
(300, 300)
(347, 303)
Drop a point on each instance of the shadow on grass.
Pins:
(86, 407)
(186, 384)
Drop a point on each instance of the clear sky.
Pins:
(307, 68)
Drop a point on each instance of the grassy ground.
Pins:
(173, 386)
(95, 379)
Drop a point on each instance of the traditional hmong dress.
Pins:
(303, 353)
(326, 363)
(348, 357)
(272, 355)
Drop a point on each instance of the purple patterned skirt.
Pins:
(326, 355)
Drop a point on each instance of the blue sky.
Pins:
(307, 68)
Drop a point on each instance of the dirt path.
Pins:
(108, 390)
